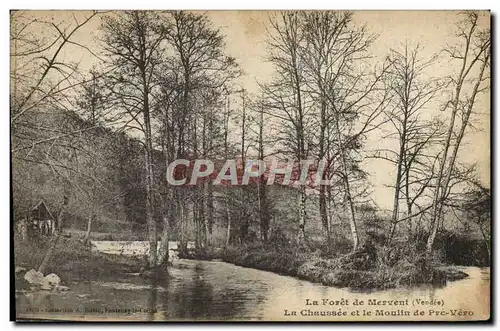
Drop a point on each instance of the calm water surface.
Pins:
(209, 290)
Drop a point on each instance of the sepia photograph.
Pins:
(250, 165)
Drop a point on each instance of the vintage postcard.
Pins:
(250, 165)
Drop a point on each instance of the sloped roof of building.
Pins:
(42, 203)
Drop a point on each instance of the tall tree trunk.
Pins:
(409, 208)
(60, 217)
(55, 239)
(263, 210)
(301, 237)
(164, 247)
(397, 189)
(210, 213)
(486, 241)
(167, 215)
(244, 224)
(153, 240)
(301, 148)
(352, 218)
(347, 186)
(409, 203)
(321, 155)
(324, 213)
(196, 223)
(49, 254)
(226, 151)
(89, 228)
(330, 206)
(151, 224)
(442, 188)
(204, 190)
(209, 189)
(200, 226)
(228, 215)
(204, 212)
(168, 204)
(182, 248)
(264, 216)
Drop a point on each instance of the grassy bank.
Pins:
(372, 267)
(72, 258)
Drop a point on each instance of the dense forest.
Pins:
(95, 143)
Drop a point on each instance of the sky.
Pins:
(245, 40)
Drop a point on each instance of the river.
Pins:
(211, 290)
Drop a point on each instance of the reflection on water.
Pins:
(203, 290)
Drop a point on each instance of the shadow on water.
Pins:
(196, 293)
(152, 299)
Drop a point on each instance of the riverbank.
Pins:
(72, 257)
(368, 269)
(233, 293)
(372, 267)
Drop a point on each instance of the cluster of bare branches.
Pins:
(328, 98)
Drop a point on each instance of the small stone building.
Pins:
(39, 222)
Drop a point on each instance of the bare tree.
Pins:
(258, 139)
(471, 80)
(198, 53)
(285, 95)
(39, 74)
(227, 117)
(348, 96)
(133, 42)
(413, 92)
